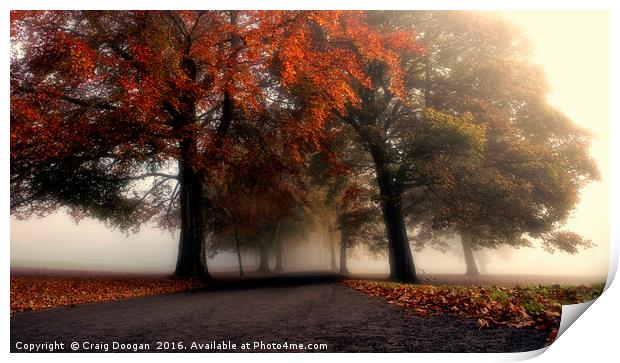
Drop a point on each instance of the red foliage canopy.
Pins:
(101, 99)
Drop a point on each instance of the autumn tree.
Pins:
(360, 226)
(347, 208)
(377, 126)
(522, 178)
(258, 187)
(344, 197)
(123, 115)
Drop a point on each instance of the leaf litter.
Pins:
(537, 307)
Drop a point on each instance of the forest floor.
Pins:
(301, 308)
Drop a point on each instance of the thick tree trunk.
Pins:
(191, 259)
(238, 249)
(402, 267)
(472, 269)
(279, 252)
(264, 258)
(344, 244)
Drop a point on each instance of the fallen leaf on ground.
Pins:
(537, 307)
(41, 292)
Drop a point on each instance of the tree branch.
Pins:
(147, 175)
(172, 198)
(92, 103)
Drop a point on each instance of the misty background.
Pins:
(573, 49)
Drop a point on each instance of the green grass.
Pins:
(499, 295)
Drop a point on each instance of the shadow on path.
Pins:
(272, 281)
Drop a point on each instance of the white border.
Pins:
(593, 337)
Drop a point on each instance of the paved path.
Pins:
(293, 310)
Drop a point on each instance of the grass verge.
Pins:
(538, 307)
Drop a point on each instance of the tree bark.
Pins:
(344, 244)
(402, 267)
(191, 260)
(470, 261)
(279, 252)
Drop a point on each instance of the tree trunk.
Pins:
(238, 249)
(402, 267)
(279, 251)
(344, 244)
(332, 251)
(472, 269)
(191, 260)
(264, 258)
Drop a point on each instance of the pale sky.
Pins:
(573, 49)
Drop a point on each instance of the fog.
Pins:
(57, 241)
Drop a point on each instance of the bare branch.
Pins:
(172, 198)
(148, 175)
